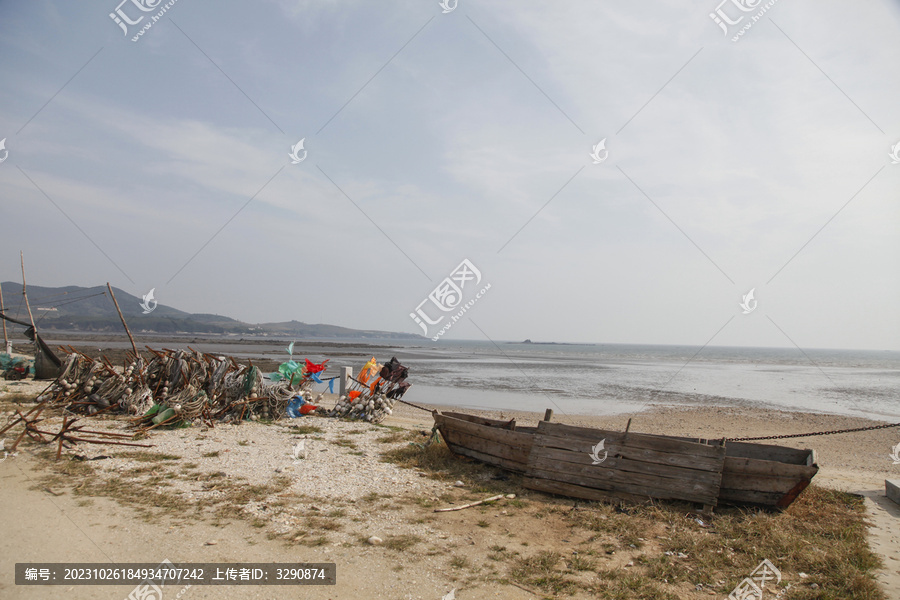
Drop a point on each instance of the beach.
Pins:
(325, 505)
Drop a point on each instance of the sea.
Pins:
(608, 379)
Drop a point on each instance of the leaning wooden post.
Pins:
(6, 344)
(25, 294)
(124, 324)
(548, 414)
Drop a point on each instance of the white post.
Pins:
(346, 374)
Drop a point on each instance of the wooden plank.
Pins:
(683, 457)
(759, 483)
(634, 440)
(518, 453)
(750, 466)
(780, 454)
(635, 482)
(571, 462)
(511, 424)
(769, 499)
(490, 459)
(630, 483)
(484, 431)
(499, 437)
(576, 491)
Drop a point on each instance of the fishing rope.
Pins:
(799, 435)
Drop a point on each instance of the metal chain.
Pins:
(799, 435)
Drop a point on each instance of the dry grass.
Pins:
(306, 429)
(401, 542)
(669, 554)
(441, 464)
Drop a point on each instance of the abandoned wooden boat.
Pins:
(598, 464)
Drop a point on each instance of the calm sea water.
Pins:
(608, 379)
(617, 378)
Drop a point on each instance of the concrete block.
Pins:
(892, 489)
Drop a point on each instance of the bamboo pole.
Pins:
(124, 324)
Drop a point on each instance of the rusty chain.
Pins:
(799, 435)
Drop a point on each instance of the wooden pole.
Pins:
(2, 308)
(124, 324)
(25, 294)
(548, 414)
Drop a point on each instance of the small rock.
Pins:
(630, 563)
(211, 543)
(510, 496)
(458, 484)
(802, 575)
(375, 540)
(814, 586)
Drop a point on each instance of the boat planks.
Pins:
(765, 475)
(634, 466)
(493, 442)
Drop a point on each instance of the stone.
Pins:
(375, 540)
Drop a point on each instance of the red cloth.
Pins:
(307, 408)
(312, 367)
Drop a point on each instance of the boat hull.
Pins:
(598, 464)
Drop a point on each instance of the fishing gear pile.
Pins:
(174, 386)
(177, 387)
(373, 401)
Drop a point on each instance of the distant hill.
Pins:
(90, 309)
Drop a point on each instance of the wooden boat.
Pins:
(598, 464)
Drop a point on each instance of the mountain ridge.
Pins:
(89, 309)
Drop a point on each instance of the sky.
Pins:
(727, 158)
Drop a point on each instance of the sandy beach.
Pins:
(264, 504)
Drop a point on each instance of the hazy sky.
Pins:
(434, 137)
